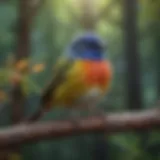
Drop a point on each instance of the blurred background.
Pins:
(34, 33)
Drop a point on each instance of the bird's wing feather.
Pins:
(59, 77)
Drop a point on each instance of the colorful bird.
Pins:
(81, 77)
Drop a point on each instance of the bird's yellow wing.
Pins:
(73, 87)
(59, 76)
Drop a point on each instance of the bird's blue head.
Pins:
(87, 47)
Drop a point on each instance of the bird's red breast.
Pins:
(97, 72)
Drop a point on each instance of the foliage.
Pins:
(55, 24)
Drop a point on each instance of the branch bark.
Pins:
(113, 122)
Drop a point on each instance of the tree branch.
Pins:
(113, 122)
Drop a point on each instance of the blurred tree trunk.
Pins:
(157, 58)
(134, 90)
(23, 50)
(134, 87)
(158, 67)
(17, 97)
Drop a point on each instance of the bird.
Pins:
(81, 77)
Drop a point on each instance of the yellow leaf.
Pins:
(38, 68)
(22, 65)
